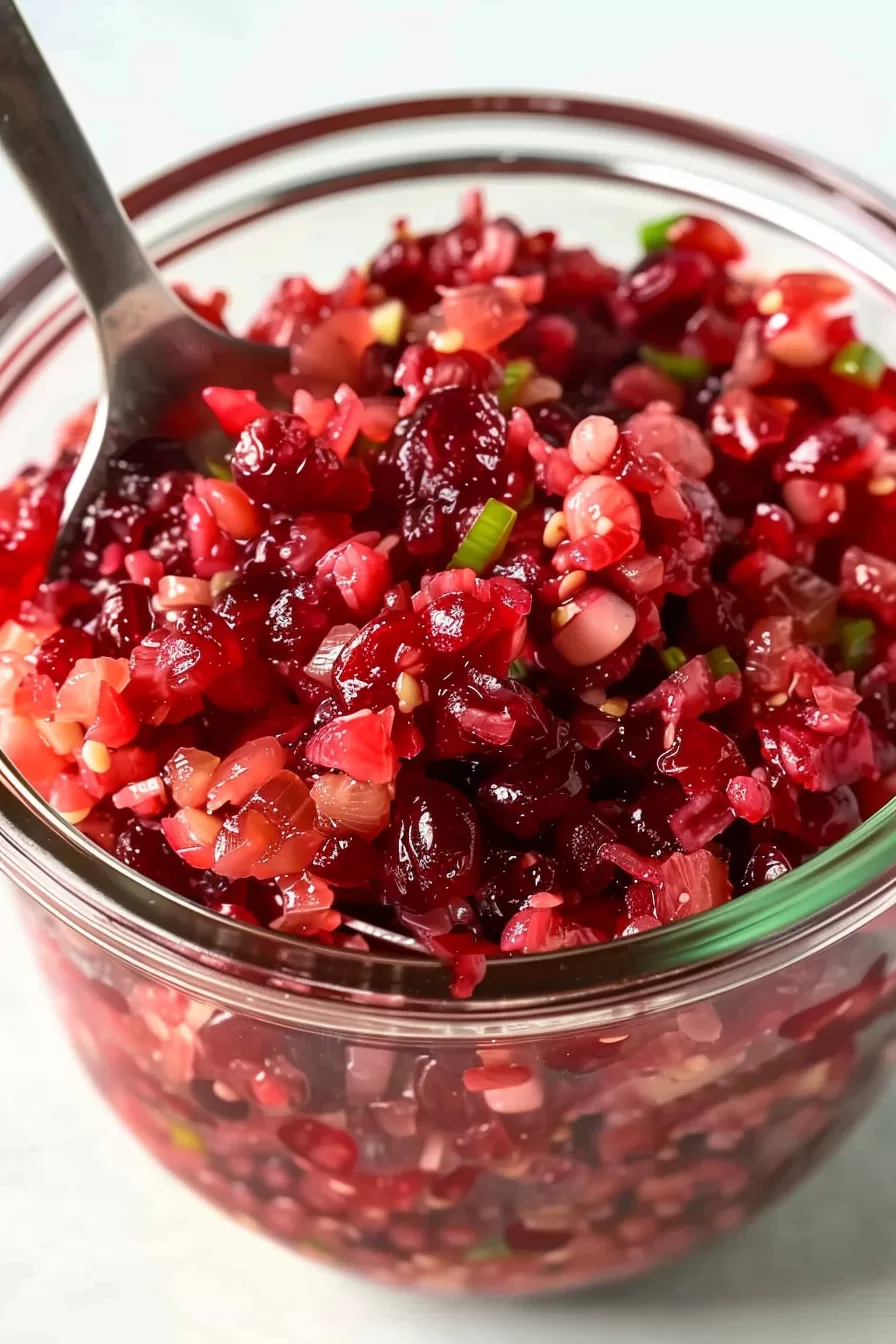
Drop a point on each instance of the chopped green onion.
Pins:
(486, 539)
(492, 1248)
(655, 233)
(856, 642)
(220, 470)
(721, 664)
(518, 670)
(860, 363)
(673, 658)
(683, 368)
(517, 373)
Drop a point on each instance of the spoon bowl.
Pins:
(157, 355)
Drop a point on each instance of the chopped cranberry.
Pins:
(668, 284)
(445, 459)
(543, 554)
(125, 618)
(277, 462)
(433, 848)
(525, 797)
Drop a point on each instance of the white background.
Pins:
(96, 1243)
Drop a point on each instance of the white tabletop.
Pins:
(97, 1243)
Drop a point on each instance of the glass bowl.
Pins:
(586, 1115)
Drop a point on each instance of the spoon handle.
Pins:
(43, 141)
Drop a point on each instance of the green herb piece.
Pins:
(856, 642)
(860, 363)
(517, 373)
(673, 658)
(655, 233)
(683, 368)
(721, 664)
(486, 539)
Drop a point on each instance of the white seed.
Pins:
(555, 530)
(447, 342)
(409, 692)
(96, 757)
(571, 584)
(387, 321)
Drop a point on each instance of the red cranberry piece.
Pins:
(229, 1038)
(742, 424)
(643, 824)
(817, 761)
(766, 863)
(125, 618)
(664, 283)
(324, 1147)
(701, 758)
(433, 848)
(524, 797)
(277, 462)
(773, 530)
(198, 650)
(442, 1097)
(450, 253)
(475, 713)
(296, 623)
(143, 846)
(111, 518)
(632, 751)
(443, 459)
(580, 838)
(348, 861)
(422, 370)
(868, 582)
(401, 270)
(574, 275)
(364, 674)
(826, 817)
(712, 336)
(554, 423)
(842, 449)
(512, 879)
(716, 617)
(57, 655)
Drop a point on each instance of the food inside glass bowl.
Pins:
(555, 603)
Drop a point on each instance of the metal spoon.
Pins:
(156, 354)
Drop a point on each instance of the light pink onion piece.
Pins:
(602, 623)
(320, 668)
(593, 442)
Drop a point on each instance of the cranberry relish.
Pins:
(560, 605)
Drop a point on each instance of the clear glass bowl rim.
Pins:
(812, 907)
